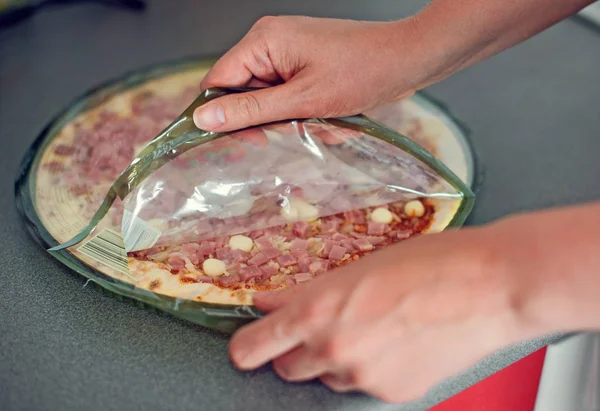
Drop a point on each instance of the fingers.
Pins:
(236, 111)
(268, 338)
(272, 300)
(230, 70)
(337, 382)
(300, 365)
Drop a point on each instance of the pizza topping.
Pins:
(63, 150)
(285, 254)
(258, 259)
(298, 253)
(240, 256)
(301, 229)
(177, 262)
(337, 252)
(192, 252)
(298, 244)
(330, 226)
(362, 244)
(382, 215)
(376, 229)
(286, 260)
(213, 267)
(207, 247)
(268, 271)
(302, 277)
(414, 208)
(228, 280)
(318, 266)
(241, 242)
(376, 240)
(248, 273)
(223, 253)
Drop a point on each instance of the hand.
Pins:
(331, 67)
(393, 324)
(318, 67)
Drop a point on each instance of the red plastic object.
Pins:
(514, 388)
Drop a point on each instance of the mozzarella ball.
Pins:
(213, 267)
(241, 242)
(307, 212)
(289, 213)
(414, 208)
(382, 215)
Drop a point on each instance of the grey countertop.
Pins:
(535, 120)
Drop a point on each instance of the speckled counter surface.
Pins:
(535, 120)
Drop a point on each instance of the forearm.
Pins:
(555, 256)
(455, 34)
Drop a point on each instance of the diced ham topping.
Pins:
(302, 277)
(256, 234)
(176, 261)
(318, 267)
(376, 229)
(228, 280)
(248, 273)
(328, 245)
(207, 247)
(339, 237)
(330, 226)
(301, 228)
(268, 271)
(304, 264)
(258, 259)
(362, 244)
(271, 252)
(204, 279)
(286, 260)
(223, 253)
(375, 240)
(192, 252)
(298, 254)
(337, 252)
(263, 242)
(355, 217)
(240, 256)
(299, 244)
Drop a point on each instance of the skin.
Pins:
(394, 325)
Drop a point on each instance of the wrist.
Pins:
(551, 261)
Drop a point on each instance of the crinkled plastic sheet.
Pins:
(189, 185)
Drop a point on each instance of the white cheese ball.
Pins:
(382, 215)
(213, 267)
(307, 212)
(290, 213)
(414, 208)
(300, 210)
(241, 242)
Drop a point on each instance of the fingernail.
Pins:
(209, 117)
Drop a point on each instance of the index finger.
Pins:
(266, 339)
(229, 70)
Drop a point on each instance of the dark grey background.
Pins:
(535, 120)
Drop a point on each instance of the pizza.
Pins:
(89, 151)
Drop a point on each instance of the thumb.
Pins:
(237, 111)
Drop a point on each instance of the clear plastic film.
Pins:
(206, 219)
